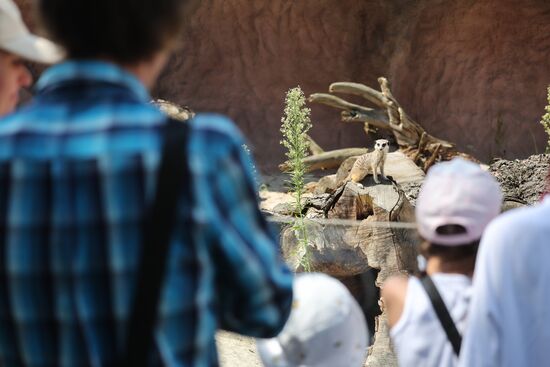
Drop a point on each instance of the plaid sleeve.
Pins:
(254, 285)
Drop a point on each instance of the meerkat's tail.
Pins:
(355, 177)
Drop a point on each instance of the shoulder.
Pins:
(513, 237)
(215, 126)
(394, 293)
(214, 141)
(524, 222)
(395, 286)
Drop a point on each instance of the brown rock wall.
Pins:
(475, 72)
(240, 59)
(470, 71)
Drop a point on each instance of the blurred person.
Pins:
(17, 45)
(427, 315)
(78, 173)
(511, 291)
(326, 328)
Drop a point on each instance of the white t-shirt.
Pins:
(510, 312)
(418, 337)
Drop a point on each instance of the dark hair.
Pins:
(450, 253)
(125, 31)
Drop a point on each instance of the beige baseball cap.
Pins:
(326, 328)
(16, 38)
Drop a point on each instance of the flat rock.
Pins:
(402, 169)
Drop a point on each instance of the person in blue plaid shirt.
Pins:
(77, 170)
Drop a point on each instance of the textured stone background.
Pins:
(472, 71)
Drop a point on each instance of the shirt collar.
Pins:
(91, 70)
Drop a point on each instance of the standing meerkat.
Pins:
(370, 162)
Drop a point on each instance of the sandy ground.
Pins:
(236, 350)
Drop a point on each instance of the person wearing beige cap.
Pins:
(326, 327)
(16, 45)
(428, 314)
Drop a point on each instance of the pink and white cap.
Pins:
(457, 192)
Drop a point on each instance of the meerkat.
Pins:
(371, 162)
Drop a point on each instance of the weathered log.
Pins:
(327, 160)
(432, 158)
(372, 95)
(407, 132)
(411, 137)
(356, 112)
(313, 147)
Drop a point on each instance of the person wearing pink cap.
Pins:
(17, 44)
(428, 314)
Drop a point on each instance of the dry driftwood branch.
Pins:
(321, 159)
(327, 160)
(411, 137)
(352, 112)
(432, 159)
(314, 148)
(362, 90)
(407, 132)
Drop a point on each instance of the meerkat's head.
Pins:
(382, 145)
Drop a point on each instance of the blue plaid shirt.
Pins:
(77, 170)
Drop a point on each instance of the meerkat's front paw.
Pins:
(376, 179)
(360, 185)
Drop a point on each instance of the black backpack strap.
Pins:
(442, 313)
(172, 181)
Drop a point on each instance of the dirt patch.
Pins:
(236, 350)
(524, 179)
